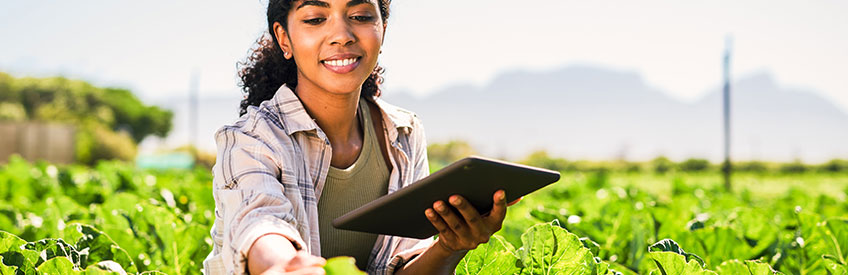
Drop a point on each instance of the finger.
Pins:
(308, 271)
(456, 224)
(440, 225)
(303, 259)
(515, 201)
(471, 216)
(496, 216)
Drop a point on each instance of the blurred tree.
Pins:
(12, 111)
(695, 165)
(662, 165)
(110, 121)
(441, 154)
(794, 167)
(751, 166)
(542, 159)
(633, 167)
(835, 166)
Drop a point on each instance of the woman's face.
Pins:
(335, 43)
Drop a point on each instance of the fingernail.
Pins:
(429, 213)
(440, 206)
(454, 200)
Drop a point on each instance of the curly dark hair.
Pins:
(265, 69)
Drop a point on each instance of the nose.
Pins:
(341, 32)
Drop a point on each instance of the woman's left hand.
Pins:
(467, 229)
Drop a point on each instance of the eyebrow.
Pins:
(323, 4)
(314, 3)
(352, 3)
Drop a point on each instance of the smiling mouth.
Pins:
(342, 66)
(340, 62)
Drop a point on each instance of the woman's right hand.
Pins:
(275, 255)
(303, 263)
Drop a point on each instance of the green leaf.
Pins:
(550, 249)
(721, 243)
(670, 258)
(9, 241)
(833, 266)
(836, 239)
(57, 266)
(591, 245)
(495, 257)
(342, 266)
(602, 268)
(669, 245)
(616, 268)
(104, 267)
(670, 263)
(99, 246)
(5, 269)
(52, 248)
(805, 247)
(14, 255)
(745, 268)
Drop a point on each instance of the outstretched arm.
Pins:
(274, 254)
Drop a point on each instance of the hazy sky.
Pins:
(153, 46)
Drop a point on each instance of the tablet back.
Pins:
(402, 213)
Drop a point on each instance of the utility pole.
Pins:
(726, 166)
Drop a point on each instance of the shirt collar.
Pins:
(295, 118)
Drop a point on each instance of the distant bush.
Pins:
(751, 166)
(695, 165)
(542, 159)
(445, 153)
(95, 142)
(662, 165)
(835, 166)
(633, 167)
(795, 167)
(12, 111)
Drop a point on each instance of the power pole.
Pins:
(726, 167)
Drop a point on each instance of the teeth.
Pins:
(342, 62)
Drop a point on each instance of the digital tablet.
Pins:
(402, 213)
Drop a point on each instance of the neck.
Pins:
(334, 113)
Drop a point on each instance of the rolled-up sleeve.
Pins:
(249, 197)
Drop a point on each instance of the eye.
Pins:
(314, 21)
(362, 18)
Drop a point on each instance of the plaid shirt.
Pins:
(271, 167)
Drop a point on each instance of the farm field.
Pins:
(88, 220)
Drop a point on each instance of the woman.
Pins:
(313, 142)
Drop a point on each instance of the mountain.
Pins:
(582, 112)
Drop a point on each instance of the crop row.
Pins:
(93, 219)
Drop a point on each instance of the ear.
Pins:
(283, 39)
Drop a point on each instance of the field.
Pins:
(635, 223)
(76, 219)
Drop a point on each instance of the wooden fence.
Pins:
(51, 142)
